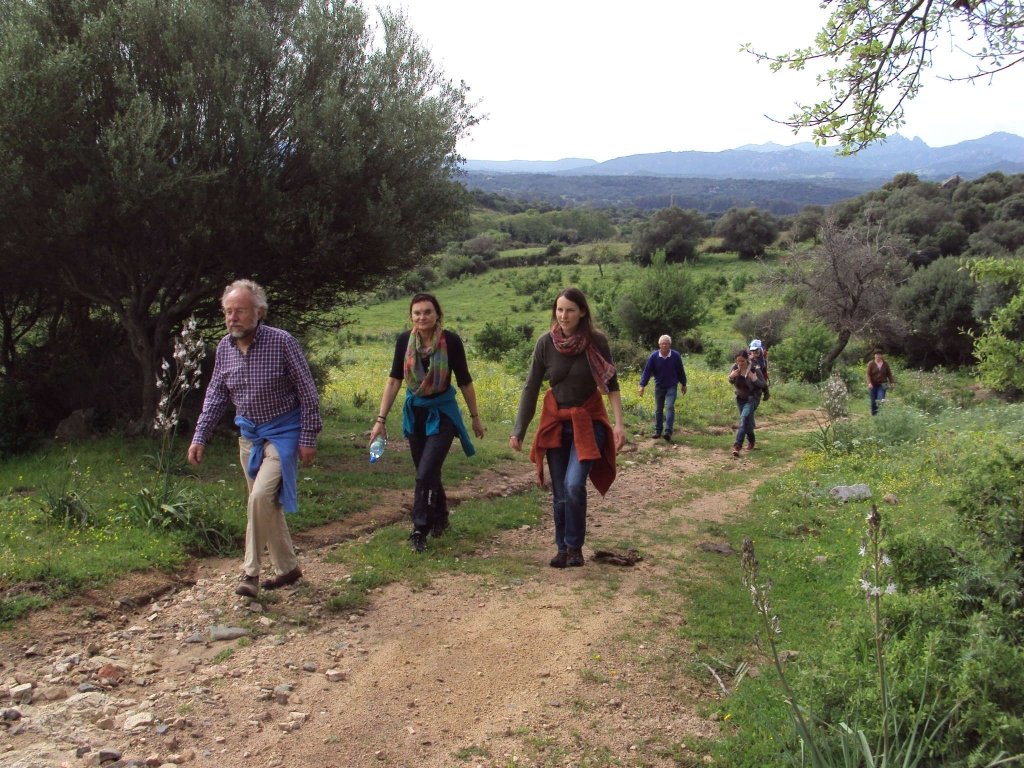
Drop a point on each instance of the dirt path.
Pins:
(555, 668)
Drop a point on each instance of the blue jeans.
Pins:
(877, 396)
(569, 488)
(664, 399)
(747, 425)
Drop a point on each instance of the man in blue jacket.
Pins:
(666, 366)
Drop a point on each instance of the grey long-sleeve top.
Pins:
(570, 378)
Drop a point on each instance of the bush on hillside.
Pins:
(628, 355)
(495, 340)
(663, 299)
(767, 326)
(672, 230)
(799, 356)
(936, 303)
(748, 231)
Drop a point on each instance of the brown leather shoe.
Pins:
(575, 558)
(283, 579)
(248, 586)
(560, 560)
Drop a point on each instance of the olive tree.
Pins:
(154, 150)
(672, 230)
(850, 278)
(748, 231)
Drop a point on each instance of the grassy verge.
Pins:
(807, 543)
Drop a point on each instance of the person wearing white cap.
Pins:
(759, 359)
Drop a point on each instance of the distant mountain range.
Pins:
(804, 162)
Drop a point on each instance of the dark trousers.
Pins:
(430, 505)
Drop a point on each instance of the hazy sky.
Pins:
(596, 79)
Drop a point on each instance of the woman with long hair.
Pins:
(426, 357)
(574, 432)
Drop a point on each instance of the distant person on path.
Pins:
(759, 359)
(262, 371)
(879, 378)
(666, 366)
(426, 357)
(574, 431)
(749, 384)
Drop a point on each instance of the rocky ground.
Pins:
(558, 667)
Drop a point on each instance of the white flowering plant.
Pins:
(175, 507)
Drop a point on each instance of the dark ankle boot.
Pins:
(559, 560)
(575, 557)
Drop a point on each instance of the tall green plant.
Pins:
(903, 739)
(1000, 347)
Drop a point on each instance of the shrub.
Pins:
(896, 424)
(628, 355)
(936, 303)
(990, 501)
(799, 356)
(663, 299)
(715, 355)
(672, 230)
(766, 326)
(495, 340)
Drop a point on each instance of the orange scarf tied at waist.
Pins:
(549, 435)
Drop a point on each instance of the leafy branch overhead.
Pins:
(876, 52)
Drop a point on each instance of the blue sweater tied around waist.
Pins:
(283, 432)
(444, 403)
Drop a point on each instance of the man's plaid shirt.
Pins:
(269, 380)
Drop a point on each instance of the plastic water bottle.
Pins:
(377, 448)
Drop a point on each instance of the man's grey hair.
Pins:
(259, 296)
(665, 337)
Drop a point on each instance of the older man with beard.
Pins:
(262, 371)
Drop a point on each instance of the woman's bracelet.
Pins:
(473, 415)
(382, 419)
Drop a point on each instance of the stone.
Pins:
(219, 632)
(138, 720)
(335, 675)
(22, 693)
(111, 674)
(845, 493)
(108, 754)
(77, 426)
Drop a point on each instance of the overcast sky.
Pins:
(596, 79)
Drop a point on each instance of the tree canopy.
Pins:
(672, 230)
(152, 151)
(748, 231)
(849, 279)
(876, 53)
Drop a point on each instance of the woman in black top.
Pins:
(425, 359)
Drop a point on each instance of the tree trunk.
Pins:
(837, 349)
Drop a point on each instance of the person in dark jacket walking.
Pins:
(666, 366)
(749, 383)
(879, 378)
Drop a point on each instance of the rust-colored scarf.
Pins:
(578, 343)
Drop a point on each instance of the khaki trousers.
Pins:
(266, 526)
